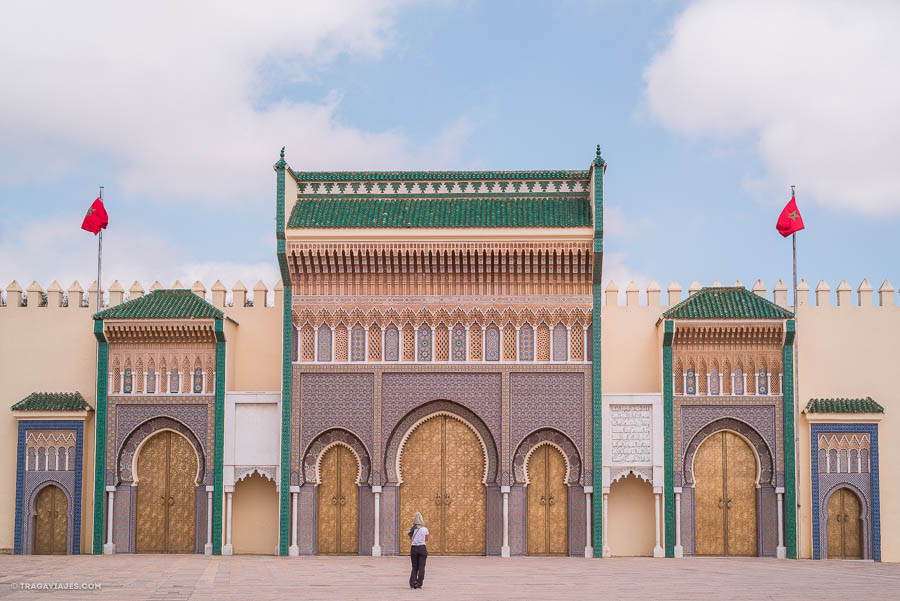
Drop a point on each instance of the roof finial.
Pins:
(282, 152)
(599, 159)
(281, 164)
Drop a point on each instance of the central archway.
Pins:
(442, 468)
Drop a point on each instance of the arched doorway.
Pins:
(844, 525)
(166, 495)
(631, 520)
(51, 521)
(254, 516)
(547, 499)
(338, 503)
(725, 470)
(442, 466)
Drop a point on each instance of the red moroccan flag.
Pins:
(96, 218)
(790, 220)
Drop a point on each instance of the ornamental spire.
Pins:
(598, 160)
(281, 164)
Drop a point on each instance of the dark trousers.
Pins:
(417, 555)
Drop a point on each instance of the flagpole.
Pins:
(99, 263)
(796, 383)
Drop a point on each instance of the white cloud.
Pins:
(56, 249)
(814, 82)
(174, 93)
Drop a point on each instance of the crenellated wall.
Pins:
(847, 348)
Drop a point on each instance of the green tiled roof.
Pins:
(163, 304)
(52, 401)
(559, 210)
(726, 302)
(405, 176)
(866, 405)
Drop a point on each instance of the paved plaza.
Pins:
(249, 578)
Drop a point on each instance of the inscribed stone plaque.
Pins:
(630, 434)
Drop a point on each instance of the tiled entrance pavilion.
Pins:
(175, 577)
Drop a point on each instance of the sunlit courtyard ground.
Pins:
(174, 577)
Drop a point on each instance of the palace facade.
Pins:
(440, 342)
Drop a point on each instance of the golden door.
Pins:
(166, 495)
(725, 496)
(51, 522)
(338, 503)
(547, 503)
(844, 525)
(443, 467)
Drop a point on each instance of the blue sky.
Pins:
(706, 113)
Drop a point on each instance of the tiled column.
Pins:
(228, 549)
(109, 548)
(588, 547)
(504, 550)
(679, 550)
(376, 546)
(294, 550)
(207, 549)
(781, 550)
(657, 502)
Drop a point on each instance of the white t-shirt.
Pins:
(419, 536)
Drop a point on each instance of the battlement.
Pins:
(651, 296)
(75, 298)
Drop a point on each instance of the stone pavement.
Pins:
(250, 578)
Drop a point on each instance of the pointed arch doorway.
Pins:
(547, 498)
(442, 464)
(166, 495)
(844, 525)
(51, 521)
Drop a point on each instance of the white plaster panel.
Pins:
(633, 437)
(252, 431)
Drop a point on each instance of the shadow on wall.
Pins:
(255, 518)
(631, 518)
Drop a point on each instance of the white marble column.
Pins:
(207, 549)
(606, 552)
(781, 550)
(679, 550)
(588, 512)
(657, 501)
(504, 550)
(228, 549)
(109, 548)
(294, 550)
(376, 547)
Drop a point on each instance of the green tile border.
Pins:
(790, 470)
(100, 436)
(284, 513)
(668, 438)
(219, 449)
(599, 167)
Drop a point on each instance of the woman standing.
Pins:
(418, 553)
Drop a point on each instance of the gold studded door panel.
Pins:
(51, 523)
(740, 495)
(182, 495)
(421, 466)
(835, 526)
(166, 496)
(851, 525)
(328, 499)
(557, 503)
(348, 502)
(709, 503)
(464, 492)
(151, 528)
(536, 536)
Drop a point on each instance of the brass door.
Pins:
(725, 496)
(166, 497)
(547, 519)
(51, 522)
(844, 525)
(443, 466)
(338, 503)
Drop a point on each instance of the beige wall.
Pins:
(255, 517)
(631, 518)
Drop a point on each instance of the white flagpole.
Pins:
(99, 262)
